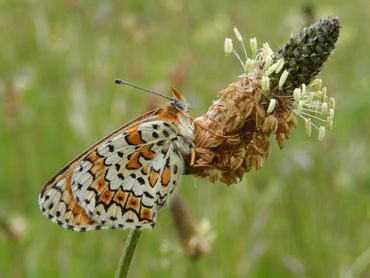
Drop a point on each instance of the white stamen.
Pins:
(248, 65)
(228, 46)
(331, 114)
(268, 62)
(283, 78)
(303, 89)
(253, 45)
(332, 103)
(255, 63)
(329, 125)
(280, 65)
(265, 84)
(321, 133)
(272, 105)
(324, 108)
(308, 126)
(324, 96)
(266, 50)
(237, 34)
(273, 67)
(297, 95)
(240, 38)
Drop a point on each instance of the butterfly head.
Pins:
(179, 101)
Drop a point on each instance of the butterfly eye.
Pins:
(182, 105)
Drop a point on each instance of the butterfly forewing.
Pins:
(121, 181)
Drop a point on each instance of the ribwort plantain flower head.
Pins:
(233, 137)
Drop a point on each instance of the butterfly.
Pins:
(124, 179)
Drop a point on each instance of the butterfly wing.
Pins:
(121, 181)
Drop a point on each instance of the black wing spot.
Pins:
(160, 143)
(141, 180)
(121, 176)
(120, 154)
(133, 176)
(118, 166)
(155, 135)
(148, 195)
(155, 126)
(111, 148)
(165, 133)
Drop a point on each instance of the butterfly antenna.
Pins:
(123, 82)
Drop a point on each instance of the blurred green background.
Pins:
(305, 214)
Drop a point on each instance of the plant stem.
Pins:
(127, 254)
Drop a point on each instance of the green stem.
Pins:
(127, 254)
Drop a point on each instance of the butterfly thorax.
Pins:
(176, 113)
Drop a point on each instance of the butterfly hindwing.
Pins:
(121, 181)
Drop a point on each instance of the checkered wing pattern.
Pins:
(122, 181)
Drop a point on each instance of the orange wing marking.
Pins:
(166, 176)
(120, 197)
(100, 185)
(106, 196)
(83, 218)
(146, 214)
(146, 152)
(98, 164)
(134, 137)
(133, 203)
(153, 177)
(134, 163)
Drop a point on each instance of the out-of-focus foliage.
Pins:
(305, 214)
